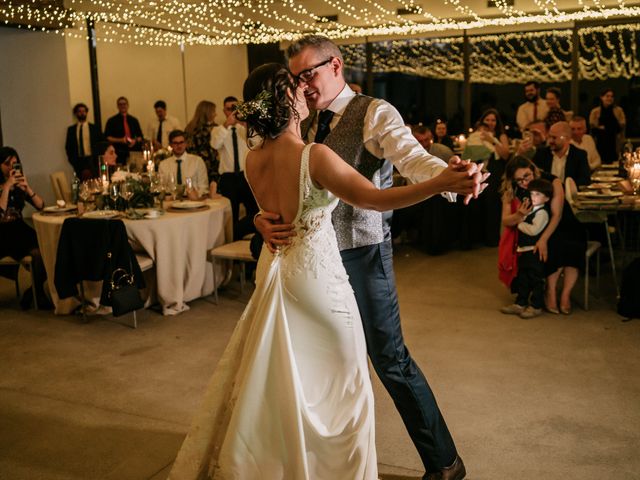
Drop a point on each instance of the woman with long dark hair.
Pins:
(607, 122)
(17, 239)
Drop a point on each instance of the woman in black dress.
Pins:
(17, 239)
(563, 243)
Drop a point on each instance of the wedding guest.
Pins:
(607, 122)
(230, 141)
(555, 113)
(440, 134)
(562, 244)
(494, 136)
(123, 130)
(198, 133)
(530, 285)
(158, 130)
(423, 134)
(80, 144)
(561, 158)
(17, 239)
(105, 154)
(534, 108)
(581, 139)
(182, 165)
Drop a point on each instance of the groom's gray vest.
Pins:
(356, 227)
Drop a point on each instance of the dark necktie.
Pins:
(236, 157)
(179, 174)
(81, 142)
(324, 120)
(159, 135)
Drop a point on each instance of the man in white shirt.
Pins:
(534, 108)
(581, 139)
(184, 165)
(158, 131)
(230, 140)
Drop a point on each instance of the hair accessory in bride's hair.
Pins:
(259, 106)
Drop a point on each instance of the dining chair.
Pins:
(26, 263)
(593, 247)
(238, 251)
(61, 186)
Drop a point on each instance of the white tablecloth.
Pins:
(176, 242)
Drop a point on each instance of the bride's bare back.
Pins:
(273, 171)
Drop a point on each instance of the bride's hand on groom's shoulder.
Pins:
(274, 233)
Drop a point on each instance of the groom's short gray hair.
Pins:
(317, 42)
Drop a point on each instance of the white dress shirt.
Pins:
(170, 123)
(192, 166)
(86, 138)
(221, 140)
(589, 146)
(386, 136)
(558, 165)
(525, 113)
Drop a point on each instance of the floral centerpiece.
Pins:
(137, 188)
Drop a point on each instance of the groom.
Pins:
(370, 135)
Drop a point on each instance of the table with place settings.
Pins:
(177, 241)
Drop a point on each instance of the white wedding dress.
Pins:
(291, 397)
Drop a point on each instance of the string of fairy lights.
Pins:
(604, 52)
(233, 22)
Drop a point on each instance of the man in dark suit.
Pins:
(82, 138)
(562, 159)
(124, 131)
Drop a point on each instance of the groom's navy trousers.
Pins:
(371, 275)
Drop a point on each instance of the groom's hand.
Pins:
(274, 233)
(474, 170)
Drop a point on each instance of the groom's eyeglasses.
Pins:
(307, 75)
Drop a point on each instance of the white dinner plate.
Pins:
(602, 178)
(187, 204)
(609, 167)
(101, 214)
(599, 186)
(57, 209)
(595, 194)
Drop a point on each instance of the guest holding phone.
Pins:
(17, 239)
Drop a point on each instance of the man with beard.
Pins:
(561, 158)
(534, 108)
(82, 138)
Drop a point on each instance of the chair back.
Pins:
(583, 216)
(60, 185)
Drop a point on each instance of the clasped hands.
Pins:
(464, 177)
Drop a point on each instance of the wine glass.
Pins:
(85, 192)
(114, 192)
(126, 192)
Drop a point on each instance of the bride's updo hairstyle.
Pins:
(267, 105)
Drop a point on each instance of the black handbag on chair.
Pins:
(123, 292)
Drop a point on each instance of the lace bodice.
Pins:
(315, 246)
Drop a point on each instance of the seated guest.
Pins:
(182, 165)
(17, 239)
(494, 135)
(105, 154)
(424, 136)
(159, 129)
(562, 244)
(581, 139)
(440, 134)
(123, 130)
(534, 136)
(562, 159)
(555, 113)
(82, 138)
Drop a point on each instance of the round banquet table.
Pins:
(176, 242)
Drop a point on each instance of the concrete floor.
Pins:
(556, 397)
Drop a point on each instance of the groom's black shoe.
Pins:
(454, 472)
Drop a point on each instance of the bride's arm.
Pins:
(329, 171)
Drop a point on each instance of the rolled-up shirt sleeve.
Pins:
(386, 136)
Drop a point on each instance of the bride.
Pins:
(291, 397)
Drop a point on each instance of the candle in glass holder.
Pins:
(150, 167)
(634, 176)
(462, 141)
(105, 183)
